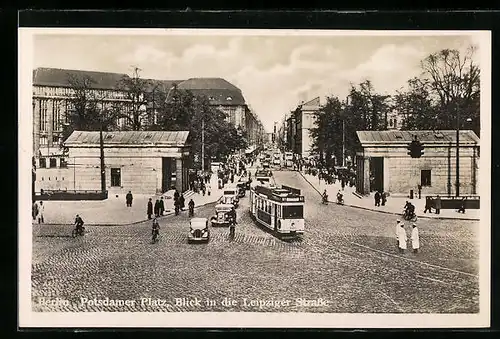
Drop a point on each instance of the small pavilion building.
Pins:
(383, 163)
(144, 162)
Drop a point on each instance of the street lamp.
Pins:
(457, 183)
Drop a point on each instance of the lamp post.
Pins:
(101, 147)
(457, 174)
(203, 142)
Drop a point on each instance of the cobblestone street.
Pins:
(347, 262)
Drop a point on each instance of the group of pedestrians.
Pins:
(380, 198)
(402, 237)
(37, 212)
(158, 209)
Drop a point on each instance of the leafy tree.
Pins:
(86, 113)
(327, 133)
(415, 104)
(138, 93)
(454, 82)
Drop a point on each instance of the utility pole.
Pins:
(457, 111)
(343, 131)
(101, 147)
(203, 143)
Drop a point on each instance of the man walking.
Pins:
(377, 198)
(398, 226)
(384, 198)
(162, 206)
(150, 209)
(402, 238)
(428, 205)
(157, 208)
(41, 210)
(438, 204)
(129, 198)
(415, 239)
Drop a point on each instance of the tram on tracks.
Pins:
(281, 210)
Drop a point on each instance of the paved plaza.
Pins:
(346, 262)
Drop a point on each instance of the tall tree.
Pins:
(454, 81)
(86, 110)
(416, 107)
(137, 91)
(327, 132)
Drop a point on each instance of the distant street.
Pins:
(347, 262)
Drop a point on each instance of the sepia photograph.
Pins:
(254, 178)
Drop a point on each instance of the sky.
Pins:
(274, 72)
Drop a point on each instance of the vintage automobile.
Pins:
(231, 195)
(198, 230)
(221, 215)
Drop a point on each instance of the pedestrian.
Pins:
(342, 183)
(438, 204)
(176, 195)
(203, 188)
(129, 199)
(41, 212)
(162, 206)
(415, 238)
(398, 226)
(428, 205)
(402, 238)
(377, 198)
(181, 202)
(383, 196)
(461, 209)
(209, 189)
(150, 209)
(157, 208)
(34, 211)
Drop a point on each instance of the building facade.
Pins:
(140, 161)
(383, 162)
(53, 94)
(301, 123)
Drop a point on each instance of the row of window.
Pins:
(67, 92)
(43, 179)
(42, 162)
(282, 212)
(55, 139)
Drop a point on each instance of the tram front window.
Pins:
(293, 212)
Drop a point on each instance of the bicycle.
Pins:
(78, 231)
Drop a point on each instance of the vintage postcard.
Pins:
(254, 178)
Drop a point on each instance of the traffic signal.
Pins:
(415, 149)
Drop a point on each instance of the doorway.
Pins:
(377, 174)
(166, 174)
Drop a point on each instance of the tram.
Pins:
(279, 209)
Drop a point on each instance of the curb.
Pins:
(387, 212)
(135, 222)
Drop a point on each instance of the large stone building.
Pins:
(383, 163)
(144, 162)
(295, 128)
(52, 93)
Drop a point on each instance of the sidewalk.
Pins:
(394, 205)
(113, 211)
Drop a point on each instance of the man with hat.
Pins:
(402, 238)
(415, 238)
(398, 226)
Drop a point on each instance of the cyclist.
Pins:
(155, 230)
(79, 224)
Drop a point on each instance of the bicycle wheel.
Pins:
(73, 233)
